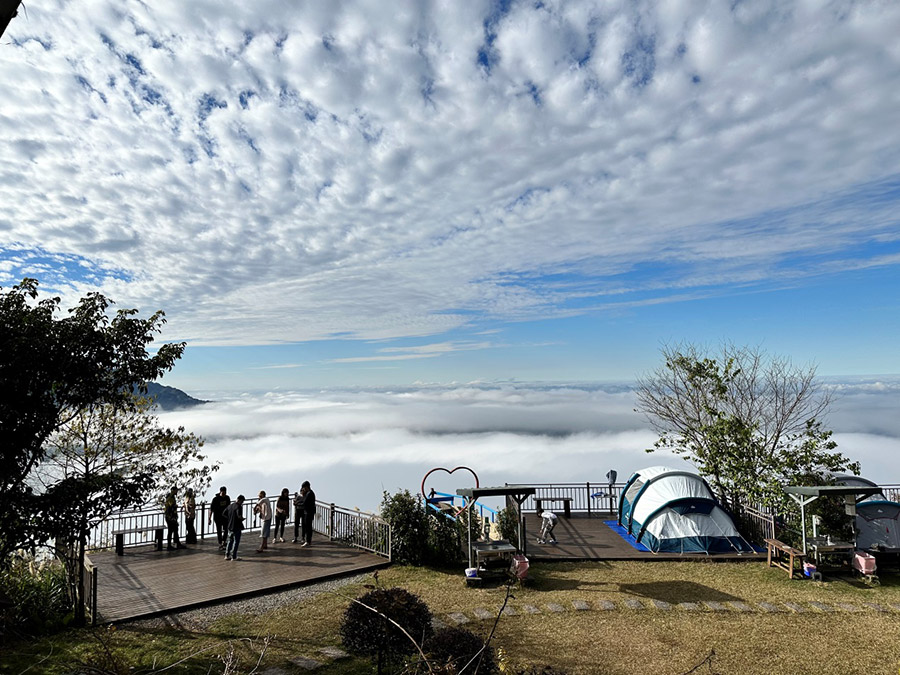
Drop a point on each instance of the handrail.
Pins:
(452, 498)
(361, 529)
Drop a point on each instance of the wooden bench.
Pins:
(120, 536)
(783, 556)
(566, 502)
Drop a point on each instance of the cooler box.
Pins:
(864, 562)
(519, 566)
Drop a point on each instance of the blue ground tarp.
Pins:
(622, 532)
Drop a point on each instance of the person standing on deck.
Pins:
(299, 498)
(190, 513)
(282, 506)
(170, 513)
(309, 512)
(264, 510)
(234, 519)
(217, 506)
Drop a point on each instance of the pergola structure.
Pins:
(807, 494)
(518, 492)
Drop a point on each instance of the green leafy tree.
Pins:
(104, 459)
(748, 421)
(53, 367)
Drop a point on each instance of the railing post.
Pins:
(589, 498)
(202, 520)
(331, 521)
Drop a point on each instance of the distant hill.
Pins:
(170, 398)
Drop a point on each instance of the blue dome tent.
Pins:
(674, 511)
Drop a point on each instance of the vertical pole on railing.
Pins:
(589, 498)
(93, 596)
(202, 520)
(331, 521)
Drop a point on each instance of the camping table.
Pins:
(830, 554)
(492, 550)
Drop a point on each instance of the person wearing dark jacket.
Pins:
(170, 513)
(299, 498)
(234, 515)
(309, 512)
(217, 506)
(282, 508)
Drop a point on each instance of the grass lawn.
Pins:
(622, 640)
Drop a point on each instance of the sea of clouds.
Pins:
(354, 445)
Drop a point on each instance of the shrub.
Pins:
(508, 523)
(37, 596)
(445, 537)
(451, 649)
(409, 527)
(367, 633)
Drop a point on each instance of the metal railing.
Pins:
(451, 499)
(588, 497)
(90, 592)
(362, 530)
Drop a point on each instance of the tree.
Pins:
(109, 457)
(51, 369)
(749, 421)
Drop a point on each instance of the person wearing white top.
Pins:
(264, 510)
(548, 522)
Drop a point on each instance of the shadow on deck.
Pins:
(583, 537)
(145, 582)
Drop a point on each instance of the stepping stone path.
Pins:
(634, 603)
(896, 606)
(509, 610)
(458, 618)
(847, 607)
(662, 604)
(768, 607)
(482, 613)
(531, 609)
(437, 624)
(606, 605)
(553, 607)
(794, 607)
(875, 606)
(821, 606)
(689, 606)
(334, 653)
(305, 663)
(715, 606)
(580, 605)
(739, 606)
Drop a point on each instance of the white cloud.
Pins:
(268, 173)
(353, 445)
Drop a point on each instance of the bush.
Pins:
(409, 527)
(451, 649)
(508, 524)
(445, 537)
(367, 633)
(37, 596)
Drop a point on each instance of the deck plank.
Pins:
(583, 537)
(145, 582)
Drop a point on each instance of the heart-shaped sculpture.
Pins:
(449, 471)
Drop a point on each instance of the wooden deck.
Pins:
(588, 538)
(145, 582)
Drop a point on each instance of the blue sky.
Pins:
(332, 194)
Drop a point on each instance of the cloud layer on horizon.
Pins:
(270, 173)
(353, 445)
